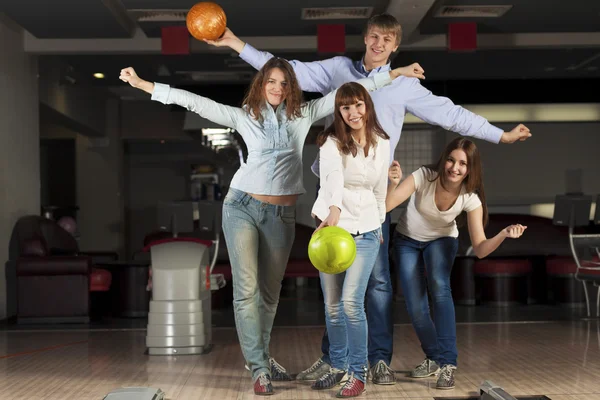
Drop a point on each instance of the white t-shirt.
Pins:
(356, 185)
(421, 220)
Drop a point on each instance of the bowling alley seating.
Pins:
(516, 272)
(49, 279)
(564, 289)
(572, 210)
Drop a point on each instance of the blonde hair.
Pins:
(387, 23)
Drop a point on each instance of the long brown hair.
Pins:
(473, 182)
(255, 98)
(352, 93)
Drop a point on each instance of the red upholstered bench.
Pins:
(462, 281)
(100, 299)
(100, 280)
(502, 281)
(294, 269)
(223, 268)
(301, 269)
(563, 287)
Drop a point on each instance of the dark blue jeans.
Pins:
(379, 306)
(422, 266)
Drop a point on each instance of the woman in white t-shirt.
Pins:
(426, 242)
(354, 161)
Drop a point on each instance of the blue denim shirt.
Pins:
(274, 163)
(391, 103)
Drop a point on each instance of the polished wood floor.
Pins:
(558, 359)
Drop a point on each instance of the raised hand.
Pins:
(395, 173)
(514, 231)
(519, 133)
(228, 39)
(129, 75)
(413, 70)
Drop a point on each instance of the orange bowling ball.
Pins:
(206, 20)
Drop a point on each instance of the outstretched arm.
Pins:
(398, 193)
(312, 76)
(324, 106)
(206, 108)
(438, 110)
(482, 246)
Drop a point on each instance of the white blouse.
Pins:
(356, 185)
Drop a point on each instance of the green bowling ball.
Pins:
(332, 250)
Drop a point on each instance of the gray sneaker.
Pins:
(381, 374)
(314, 372)
(425, 369)
(278, 373)
(329, 380)
(446, 378)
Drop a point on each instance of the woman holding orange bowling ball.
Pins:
(259, 210)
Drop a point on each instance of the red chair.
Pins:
(52, 277)
(502, 281)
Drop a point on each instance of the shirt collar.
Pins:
(360, 67)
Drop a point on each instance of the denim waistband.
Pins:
(241, 197)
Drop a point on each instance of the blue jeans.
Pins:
(379, 300)
(344, 296)
(422, 266)
(259, 238)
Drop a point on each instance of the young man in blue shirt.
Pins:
(382, 37)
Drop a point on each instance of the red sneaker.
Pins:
(353, 387)
(262, 385)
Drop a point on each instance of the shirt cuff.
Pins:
(161, 92)
(247, 52)
(494, 134)
(382, 79)
(335, 200)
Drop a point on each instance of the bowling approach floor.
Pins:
(527, 350)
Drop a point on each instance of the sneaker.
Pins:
(381, 374)
(278, 373)
(315, 371)
(353, 388)
(262, 385)
(329, 380)
(426, 368)
(446, 378)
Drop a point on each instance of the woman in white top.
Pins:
(259, 209)
(354, 161)
(426, 242)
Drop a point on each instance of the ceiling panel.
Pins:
(262, 18)
(525, 16)
(65, 18)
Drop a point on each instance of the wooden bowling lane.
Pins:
(558, 359)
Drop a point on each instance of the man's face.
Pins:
(379, 46)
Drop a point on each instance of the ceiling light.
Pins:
(218, 136)
(222, 142)
(99, 75)
(213, 131)
(472, 11)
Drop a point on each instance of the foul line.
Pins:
(24, 353)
